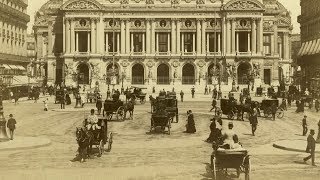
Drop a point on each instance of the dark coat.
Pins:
(311, 146)
(191, 128)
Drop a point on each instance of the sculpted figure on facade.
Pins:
(175, 74)
(150, 74)
(175, 2)
(200, 1)
(124, 1)
(256, 70)
(149, 1)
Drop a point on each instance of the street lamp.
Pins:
(3, 130)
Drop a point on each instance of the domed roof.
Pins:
(52, 6)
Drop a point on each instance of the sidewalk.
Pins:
(294, 145)
(21, 143)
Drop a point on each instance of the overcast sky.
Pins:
(292, 5)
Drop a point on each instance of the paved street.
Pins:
(138, 155)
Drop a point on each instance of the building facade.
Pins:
(309, 54)
(164, 42)
(13, 34)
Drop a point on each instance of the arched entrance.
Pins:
(213, 74)
(163, 74)
(243, 72)
(109, 73)
(83, 74)
(188, 74)
(137, 74)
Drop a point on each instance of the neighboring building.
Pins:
(13, 33)
(163, 42)
(310, 49)
(295, 48)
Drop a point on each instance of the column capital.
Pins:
(150, 19)
(94, 19)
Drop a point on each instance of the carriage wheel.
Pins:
(120, 113)
(280, 113)
(230, 115)
(177, 117)
(247, 169)
(143, 100)
(214, 169)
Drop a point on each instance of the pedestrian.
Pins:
(254, 121)
(153, 90)
(181, 95)
(11, 124)
(214, 93)
(316, 105)
(16, 97)
(213, 104)
(108, 94)
(36, 95)
(206, 90)
(304, 125)
(192, 92)
(219, 94)
(209, 89)
(311, 147)
(190, 126)
(274, 109)
(122, 90)
(99, 104)
(11, 97)
(46, 104)
(62, 101)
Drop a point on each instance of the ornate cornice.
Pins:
(13, 13)
(80, 5)
(243, 5)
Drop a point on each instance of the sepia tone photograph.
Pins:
(159, 89)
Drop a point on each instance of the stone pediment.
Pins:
(81, 5)
(244, 5)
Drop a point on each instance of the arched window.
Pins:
(163, 74)
(188, 74)
(137, 74)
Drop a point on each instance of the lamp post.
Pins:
(3, 130)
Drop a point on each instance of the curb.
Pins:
(292, 149)
(25, 148)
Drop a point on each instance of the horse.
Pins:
(85, 140)
(129, 106)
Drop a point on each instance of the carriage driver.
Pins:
(92, 121)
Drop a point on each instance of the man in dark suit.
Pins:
(304, 125)
(311, 147)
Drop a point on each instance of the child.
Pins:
(46, 104)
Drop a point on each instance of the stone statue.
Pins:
(175, 75)
(124, 1)
(150, 74)
(175, 2)
(200, 1)
(149, 1)
(256, 70)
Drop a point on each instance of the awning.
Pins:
(21, 67)
(13, 67)
(6, 66)
(309, 48)
(22, 81)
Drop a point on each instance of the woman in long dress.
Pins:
(190, 127)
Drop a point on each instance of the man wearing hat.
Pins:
(304, 125)
(227, 136)
(11, 124)
(311, 147)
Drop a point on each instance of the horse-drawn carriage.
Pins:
(59, 95)
(161, 119)
(266, 107)
(136, 93)
(92, 97)
(222, 160)
(229, 108)
(98, 138)
(170, 103)
(308, 100)
(114, 107)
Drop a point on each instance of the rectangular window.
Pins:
(213, 41)
(163, 42)
(267, 76)
(280, 45)
(83, 41)
(188, 42)
(112, 42)
(267, 44)
(137, 42)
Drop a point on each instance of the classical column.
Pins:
(173, 37)
(203, 36)
(223, 34)
(118, 43)
(286, 45)
(63, 34)
(143, 43)
(182, 43)
(233, 33)
(77, 41)
(259, 36)
(93, 36)
(157, 42)
(254, 37)
(72, 36)
(272, 44)
(1, 37)
(208, 44)
(219, 42)
(68, 33)
(228, 38)
(123, 36)
(169, 43)
(128, 36)
(249, 41)
(193, 42)
(100, 36)
(50, 37)
(148, 36)
(198, 44)
(131, 44)
(88, 42)
(237, 41)
(153, 36)
(107, 42)
(275, 28)
(178, 37)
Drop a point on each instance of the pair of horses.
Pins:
(87, 138)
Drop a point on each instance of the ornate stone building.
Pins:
(13, 46)
(164, 42)
(309, 54)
